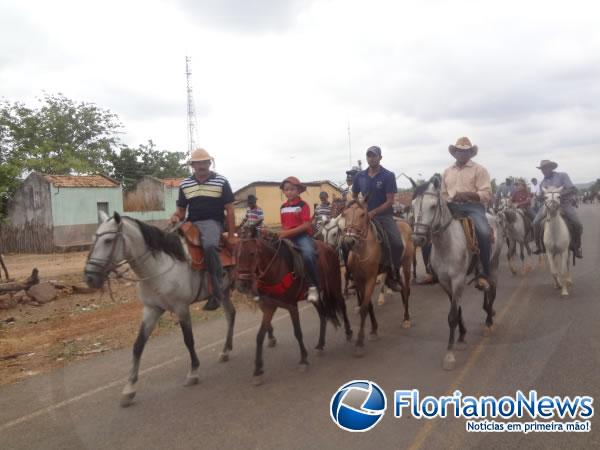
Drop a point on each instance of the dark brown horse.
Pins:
(270, 270)
(364, 264)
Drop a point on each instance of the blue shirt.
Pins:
(375, 188)
(558, 179)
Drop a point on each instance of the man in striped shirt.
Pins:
(254, 214)
(323, 210)
(205, 196)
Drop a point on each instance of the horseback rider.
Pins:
(297, 226)
(558, 179)
(206, 196)
(521, 198)
(350, 174)
(324, 208)
(378, 187)
(467, 188)
(254, 214)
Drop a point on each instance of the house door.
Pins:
(102, 206)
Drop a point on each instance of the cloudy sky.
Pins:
(276, 82)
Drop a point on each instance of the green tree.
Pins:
(61, 137)
(131, 164)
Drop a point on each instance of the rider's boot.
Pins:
(392, 280)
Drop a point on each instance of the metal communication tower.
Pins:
(191, 110)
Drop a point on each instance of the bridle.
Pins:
(435, 226)
(104, 267)
(356, 231)
(255, 274)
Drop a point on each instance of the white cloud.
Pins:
(276, 82)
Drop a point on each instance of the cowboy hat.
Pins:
(547, 162)
(199, 155)
(463, 143)
(295, 181)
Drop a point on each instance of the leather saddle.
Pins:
(193, 240)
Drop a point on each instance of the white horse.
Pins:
(167, 282)
(556, 240)
(451, 259)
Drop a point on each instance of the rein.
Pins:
(435, 227)
(107, 266)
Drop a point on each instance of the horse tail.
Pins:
(333, 302)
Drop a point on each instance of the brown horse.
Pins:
(364, 264)
(270, 270)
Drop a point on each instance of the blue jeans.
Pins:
(476, 211)
(211, 231)
(306, 245)
(388, 224)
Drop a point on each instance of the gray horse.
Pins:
(451, 259)
(167, 282)
(512, 221)
(556, 240)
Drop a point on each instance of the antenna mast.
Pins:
(191, 111)
(349, 147)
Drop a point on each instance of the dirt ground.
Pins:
(36, 339)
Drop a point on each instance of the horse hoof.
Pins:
(127, 399)
(320, 351)
(359, 352)
(191, 380)
(302, 367)
(460, 346)
(564, 294)
(406, 324)
(488, 330)
(272, 343)
(381, 301)
(257, 380)
(349, 337)
(373, 337)
(224, 357)
(449, 362)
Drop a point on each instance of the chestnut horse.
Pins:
(364, 261)
(270, 270)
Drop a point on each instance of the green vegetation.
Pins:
(62, 137)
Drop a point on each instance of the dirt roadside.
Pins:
(37, 339)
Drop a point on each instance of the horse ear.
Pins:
(560, 189)
(102, 216)
(117, 217)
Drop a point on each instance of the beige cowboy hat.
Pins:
(295, 181)
(463, 143)
(547, 162)
(200, 155)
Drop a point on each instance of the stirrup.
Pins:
(313, 295)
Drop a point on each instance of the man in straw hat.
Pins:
(467, 188)
(569, 192)
(378, 186)
(205, 196)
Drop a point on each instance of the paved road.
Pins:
(540, 341)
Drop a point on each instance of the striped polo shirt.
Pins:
(294, 213)
(323, 210)
(205, 200)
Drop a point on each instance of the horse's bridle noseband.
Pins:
(105, 266)
(434, 227)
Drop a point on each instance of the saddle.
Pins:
(193, 240)
(386, 254)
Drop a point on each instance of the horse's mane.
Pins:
(158, 240)
(354, 202)
(420, 189)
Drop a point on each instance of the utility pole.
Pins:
(191, 110)
(349, 147)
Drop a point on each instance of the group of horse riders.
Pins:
(205, 197)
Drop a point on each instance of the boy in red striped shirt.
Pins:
(297, 226)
